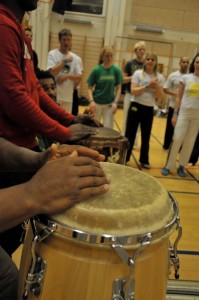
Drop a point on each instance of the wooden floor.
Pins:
(185, 191)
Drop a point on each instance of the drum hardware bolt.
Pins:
(35, 277)
(37, 268)
(114, 157)
(174, 258)
(124, 288)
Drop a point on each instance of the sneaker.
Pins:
(165, 171)
(181, 171)
(146, 166)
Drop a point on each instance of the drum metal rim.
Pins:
(126, 240)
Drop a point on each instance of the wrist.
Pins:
(175, 113)
(65, 61)
(115, 102)
(91, 101)
(146, 85)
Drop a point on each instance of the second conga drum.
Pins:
(109, 142)
(112, 247)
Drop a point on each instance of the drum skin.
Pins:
(84, 271)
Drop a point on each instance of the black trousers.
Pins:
(8, 277)
(75, 106)
(169, 130)
(143, 115)
(195, 153)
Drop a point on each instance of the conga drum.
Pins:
(110, 143)
(112, 247)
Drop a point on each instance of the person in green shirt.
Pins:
(104, 88)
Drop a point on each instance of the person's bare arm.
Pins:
(126, 78)
(15, 159)
(177, 104)
(90, 98)
(74, 77)
(59, 66)
(169, 92)
(57, 186)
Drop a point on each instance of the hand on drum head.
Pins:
(80, 131)
(61, 183)
(66, 150)
(87, 119)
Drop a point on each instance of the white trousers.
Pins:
(185, 133)
(67, 106)
(105, 112)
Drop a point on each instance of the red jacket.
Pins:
(25, 109)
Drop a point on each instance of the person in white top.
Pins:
(146, 87)
(65, 66)
(171, 89)
(186, 119)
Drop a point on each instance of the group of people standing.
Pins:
(144, 86)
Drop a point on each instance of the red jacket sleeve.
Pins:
(21, 98)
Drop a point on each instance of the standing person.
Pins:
(104, 88)
(58, 185)
(129, 69)
(185, 119)
(29, 34)
(65, 66)
(146, 87)
(26, 109)
(171, 88)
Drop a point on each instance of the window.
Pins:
(90, 6)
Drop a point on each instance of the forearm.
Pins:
(136, 91)
(159, 92)
(16, 206)
(90, 94)
(177, 105)
(169, 92)
(126, 79)
(14, 158)
(73, 77)
(118, 93)
(57, 68)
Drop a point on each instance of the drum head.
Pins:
(107, 133)
(136, 203)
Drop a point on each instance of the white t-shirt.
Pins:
(190, 97)
(142, 78)
(172, 83)
(64, 89)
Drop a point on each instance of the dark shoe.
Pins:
(165, 148)
(165, 171)
(146, 166)
(181, 171)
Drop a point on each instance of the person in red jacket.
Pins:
(25, 108)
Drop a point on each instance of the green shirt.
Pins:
(104, 82)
